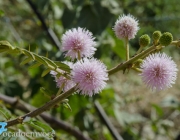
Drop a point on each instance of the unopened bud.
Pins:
(156, 35)
(144, 40)
(166, 39)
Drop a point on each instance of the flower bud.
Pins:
(156, 35)
(144, 40)
(166, 39)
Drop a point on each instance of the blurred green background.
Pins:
(136, 112)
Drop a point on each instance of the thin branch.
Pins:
(130, 61)
(56, 124)
(49, 31)
(43, 108)
(109, 125)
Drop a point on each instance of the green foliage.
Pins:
(1, 13)
(39, 126)
(35, 100)
(5, 112)
(66, 105)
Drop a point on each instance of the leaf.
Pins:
(16, 51)
(28, 53)
(94, 17)
(128, 118)
(35, 65)
(167, 123)
(50, 61)
(46, 92)
(6, 45)
(62, 66)
(25, 61)
(65, 101)
(40, 126)
(3, 50)
(170, 101)
(158, 110)
(36, 126)
(6, 113)
(39, 99)
(2, 137)
(46, 127)
(1, 13)
(66, 105)
(40, 59)
(45, 72)
(119, 49)
(154, 127)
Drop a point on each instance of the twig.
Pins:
(109, 125)
(43, 108)
(56, 124)
(130, 61)
(49, 31)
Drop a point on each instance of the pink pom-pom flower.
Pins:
(159, 71)
(126, 27)
(90, 75)
(62, 81)
(78, 42)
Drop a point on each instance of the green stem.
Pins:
(139, 50)
(130, 61)
(127, 49)
(137, 69)
(60, 89)
(175, 43)
(79, 55)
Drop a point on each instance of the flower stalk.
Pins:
(127, 49)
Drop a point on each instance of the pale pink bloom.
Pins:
(78, 40)
(159, 71)
(90, 75)
(63, 81)
(126, 27)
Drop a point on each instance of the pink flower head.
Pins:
(78, 41)
(159, 71)
(126, 27)
(63, 81)
(91, 76)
